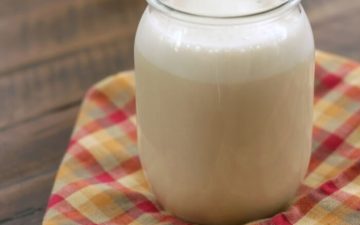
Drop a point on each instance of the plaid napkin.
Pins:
(100, 180)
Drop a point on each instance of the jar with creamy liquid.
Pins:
(224, 93)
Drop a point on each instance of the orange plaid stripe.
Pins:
(100, 180)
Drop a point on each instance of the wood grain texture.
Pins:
(67, 45)
(29, 156)
(336, 25)
(52, 51)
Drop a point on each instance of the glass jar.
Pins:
(224, 95)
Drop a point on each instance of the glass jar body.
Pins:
(224, 113)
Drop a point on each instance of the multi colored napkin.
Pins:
(100, 180)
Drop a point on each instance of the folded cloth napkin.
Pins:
(100, 180)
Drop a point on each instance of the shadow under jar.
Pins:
(224, 96)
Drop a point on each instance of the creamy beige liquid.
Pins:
(224, 132)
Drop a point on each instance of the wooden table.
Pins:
(52, 51)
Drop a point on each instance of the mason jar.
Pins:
(224, 93)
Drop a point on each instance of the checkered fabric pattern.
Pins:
(100, 180)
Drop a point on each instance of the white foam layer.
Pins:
(223, 7)
(224, 53)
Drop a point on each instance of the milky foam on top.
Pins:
(226, 53)
(223, 7)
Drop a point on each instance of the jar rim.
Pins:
(168, 9)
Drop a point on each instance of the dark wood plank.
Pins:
(25, 205)
(30, 154)
(15, 7)
(30, 146)
(52, 54)
(335, 24)
(62, 26)
(28, 217)
(53, 51)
